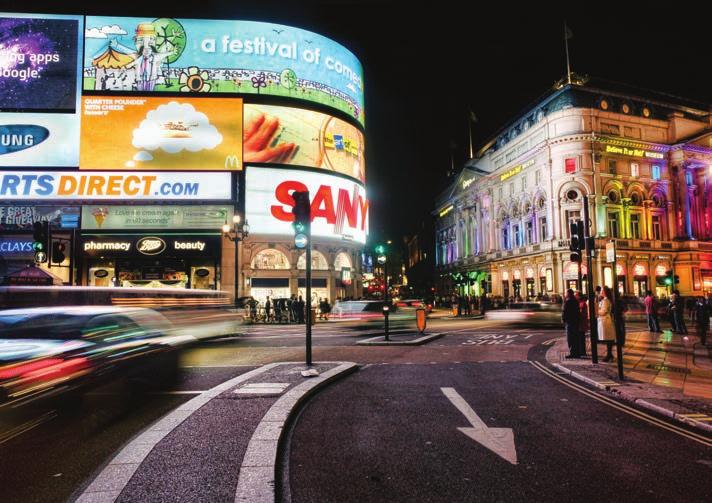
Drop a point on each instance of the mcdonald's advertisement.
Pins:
(141, 133)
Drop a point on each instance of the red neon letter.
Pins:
(283, 194)
(323, 197)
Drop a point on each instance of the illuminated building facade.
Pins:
(645, 162)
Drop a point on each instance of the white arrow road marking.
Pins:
(498, 440)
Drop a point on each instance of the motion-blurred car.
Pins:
(371, 312)
(47, 351)
(414, 304)
(528, 314)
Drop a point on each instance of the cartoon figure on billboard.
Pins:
(198, 56)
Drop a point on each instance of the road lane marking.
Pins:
(498, 440)
(6, 436)
(624, 408)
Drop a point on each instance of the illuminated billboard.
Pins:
(138, 133)
(40, 65)
(286, 135)
(107, 185)
(199, 56)
(339, 205)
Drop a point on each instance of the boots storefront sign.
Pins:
(165, 246)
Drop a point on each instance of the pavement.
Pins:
(219, 446)
(667, 373)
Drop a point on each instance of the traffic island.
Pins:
(664, 374)
(400, 339)
(221, 445)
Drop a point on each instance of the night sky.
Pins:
(427, 64)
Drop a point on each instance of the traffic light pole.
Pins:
(308, 314)
(385, 298)
(592, 305)
(614, 290)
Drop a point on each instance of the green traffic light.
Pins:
(668, 281)
(380, 249)
(37, 246)
(299, 227)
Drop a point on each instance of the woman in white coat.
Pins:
(606, 328)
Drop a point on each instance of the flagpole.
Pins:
(566, 43)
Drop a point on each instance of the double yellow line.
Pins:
(625, 408)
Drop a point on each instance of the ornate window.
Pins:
(318, 261)
(342, 260)
(270, 259)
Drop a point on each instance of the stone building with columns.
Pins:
(644, 160)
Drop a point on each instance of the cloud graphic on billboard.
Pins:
(102, 32)
(143, 156)
(175, 127)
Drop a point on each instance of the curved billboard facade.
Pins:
(210, 56)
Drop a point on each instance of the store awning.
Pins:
(32, 276)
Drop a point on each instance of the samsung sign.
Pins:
(108, 185)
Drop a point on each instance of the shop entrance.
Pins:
(640, 285)
(531, 290)
(517, 287)
(505, 290)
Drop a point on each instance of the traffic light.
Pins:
(668, 279)
(58, 256)
(302, 218)
(40, 234)
(380, 253)
(578, 240)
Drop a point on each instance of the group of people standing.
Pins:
(291, 310)
(466, 305)
(610, 315)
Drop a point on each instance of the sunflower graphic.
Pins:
(194, 80)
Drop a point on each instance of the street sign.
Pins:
(301, 240)
(611, 252)
(381, 259)
(40, 257)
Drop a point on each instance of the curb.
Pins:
(681, 418)
(107, 485)
(256, 482)
(380, 341)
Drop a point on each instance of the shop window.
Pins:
(342, 261)
(656, 172)
(270, 259)
(318, 262)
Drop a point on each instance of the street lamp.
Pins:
(236, 233)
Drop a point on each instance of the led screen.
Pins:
(137, 133)
(39, 90)
(39, 57)
(286, 135)
(198, 56)
(339, 205)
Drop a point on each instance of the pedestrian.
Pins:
(483, 303)
(571, 316)
(606, 329)
(679, 310)
(300, 310)
(268, 310)
(702, 319)
(253, 308)
(691, 305)
(468, 302)
(583, 324)
(327, 309)
(651, 312)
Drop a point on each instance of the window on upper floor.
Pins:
(571, 217)
(634, 169)
(537, 177)
(524, 183)
(570, 165)
(656, 172)
(635, 225)
(543, 232)
(656, 228)
(612, 167)
(613, 229)
(688, 177)
(529, 229)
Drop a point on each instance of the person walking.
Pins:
(651, 312)
(327, 309)
(300, 310)
(583, 324)
(268, 310)
(606, 328)
(571, 316)
(702, 319)
(679, 310)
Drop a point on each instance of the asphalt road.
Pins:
(397, 438)
(387, 433)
